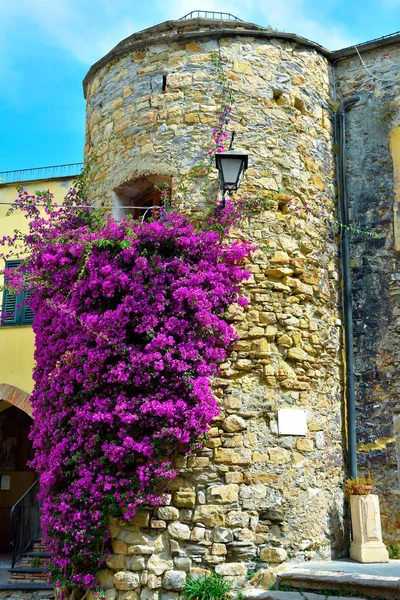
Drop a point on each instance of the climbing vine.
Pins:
(129, 328)
(129, 325)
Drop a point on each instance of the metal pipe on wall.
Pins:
(347, 306)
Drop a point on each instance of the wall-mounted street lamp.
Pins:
(231, 165)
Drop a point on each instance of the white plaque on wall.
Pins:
(292, 421)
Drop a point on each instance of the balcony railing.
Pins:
(210, 14)
(39, 173)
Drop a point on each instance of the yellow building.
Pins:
(16, 348)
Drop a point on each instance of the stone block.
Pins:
(126, 580)
(170, 595)
(305, 445)
(119, 547)
(153, 582)
(197, 534)
(224, 494)
(236, 569)
(140, 549)
(105, 578)
(285, 341)
(230, 456)
(158, 524)
(193, 47)
(179, 80)
(168, 513)
(115, 561)
(233, 423)
(279, 456)
(179, 531)
(141, 519)
(183, 563)
(273, 555)
(296, 354)
(137, 563)
(158, 565)
(184, 499)
(219, 549)
(128, 596)
(174, 580)
(237, 518)
(148, 594)
(234, 477)
(149, 117)
(242, 67)
(222, 535)
(210, 515)
(281, 258)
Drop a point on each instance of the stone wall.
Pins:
(252, 498)
(375, 266)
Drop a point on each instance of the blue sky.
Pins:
(47, 46)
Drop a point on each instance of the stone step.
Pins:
(366, 586)
(23, 569)
(261, 594)
(24, 585)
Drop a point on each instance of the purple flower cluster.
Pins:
(129, 324)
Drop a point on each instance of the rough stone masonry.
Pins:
(252, 498)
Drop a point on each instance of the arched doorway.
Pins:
(15, 452)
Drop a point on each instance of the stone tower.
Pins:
(267, 486)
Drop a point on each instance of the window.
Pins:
(138, 197)
(14, 312)
(142, 205)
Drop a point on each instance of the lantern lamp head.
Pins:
(231, 165)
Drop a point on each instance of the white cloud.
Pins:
(88, 29)
(291, 16)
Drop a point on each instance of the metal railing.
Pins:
(25, 521)
(210, 14)
(37, 173)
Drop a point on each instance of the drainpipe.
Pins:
(347, 309)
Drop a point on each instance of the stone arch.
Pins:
(16, 397)
(142, 191)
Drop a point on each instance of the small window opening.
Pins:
(140, 198)
(164, 84)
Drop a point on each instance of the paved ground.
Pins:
(271, 595)
(390, 569)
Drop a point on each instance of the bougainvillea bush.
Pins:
(129, 323)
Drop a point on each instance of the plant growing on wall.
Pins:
(130, 327)
(129, 324)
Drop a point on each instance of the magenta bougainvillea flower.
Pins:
(129, 323)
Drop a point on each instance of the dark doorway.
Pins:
(15, 474)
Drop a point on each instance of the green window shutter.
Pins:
(27, 312)
(9, 313)
(12, 311)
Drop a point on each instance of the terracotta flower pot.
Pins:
(362, 490)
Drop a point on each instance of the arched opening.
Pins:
(15, 474)
(15, 452)
(141, 197)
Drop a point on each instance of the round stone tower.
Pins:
(267, 486)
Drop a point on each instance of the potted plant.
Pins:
(359, 486)
(209, 587)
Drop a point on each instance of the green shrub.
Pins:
(211, 587)
(394, 550)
